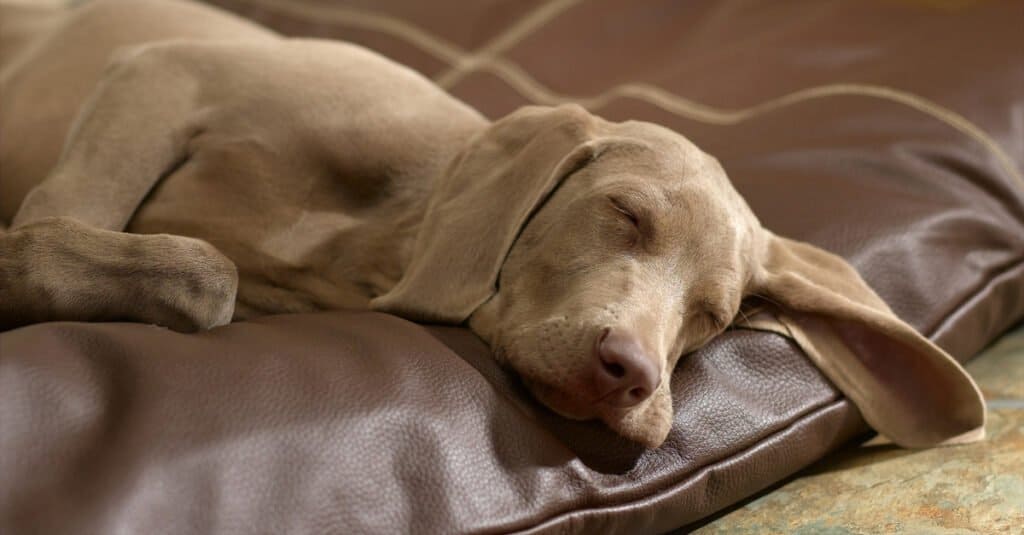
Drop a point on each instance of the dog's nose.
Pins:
(625, 372)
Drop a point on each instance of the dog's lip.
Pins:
(557, 400)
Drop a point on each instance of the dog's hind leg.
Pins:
(64, 257)
(23, 23)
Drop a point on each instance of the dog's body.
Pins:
(320, 213)
(255, 174)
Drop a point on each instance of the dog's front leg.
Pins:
(64, 257)
(60, 269)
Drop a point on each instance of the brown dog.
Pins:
(213, 170)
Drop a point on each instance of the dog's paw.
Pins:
(198, 289)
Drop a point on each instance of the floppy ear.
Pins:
(905, 386)
(478, 208)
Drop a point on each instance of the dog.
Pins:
(169, 163)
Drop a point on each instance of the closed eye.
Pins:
(626, 212)
(717, 321)
(710, 318)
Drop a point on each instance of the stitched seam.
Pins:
(532, 90)
(963, 304)
(367, 20)
(805, 416)
(512, 36)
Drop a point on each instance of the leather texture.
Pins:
(888, 132)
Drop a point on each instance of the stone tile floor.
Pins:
(878, 488)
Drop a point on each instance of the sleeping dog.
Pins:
(168, 163)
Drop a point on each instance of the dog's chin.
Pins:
(647, 424)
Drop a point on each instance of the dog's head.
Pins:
(592, 255)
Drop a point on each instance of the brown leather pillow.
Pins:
(351, 422)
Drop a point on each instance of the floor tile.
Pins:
(999, 371)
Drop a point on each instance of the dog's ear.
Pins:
(905, 387)
(478, 208)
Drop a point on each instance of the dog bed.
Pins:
(888, 133)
